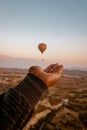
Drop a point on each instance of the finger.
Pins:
(56, 68)
(34, 68)
(49, 68)
(60, 69)
(53, 69)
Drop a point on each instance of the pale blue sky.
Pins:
(61, 24)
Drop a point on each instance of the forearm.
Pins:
(16, 104)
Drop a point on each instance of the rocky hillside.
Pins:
(61, 113)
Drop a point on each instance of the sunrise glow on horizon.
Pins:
(61, 24)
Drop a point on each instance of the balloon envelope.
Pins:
(42, 47)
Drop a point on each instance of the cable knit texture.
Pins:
(17, 104)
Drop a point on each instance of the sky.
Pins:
(61, 24)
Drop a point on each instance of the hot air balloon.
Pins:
(42, 47)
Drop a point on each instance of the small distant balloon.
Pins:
(42, 47)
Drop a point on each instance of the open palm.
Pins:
(49, 75)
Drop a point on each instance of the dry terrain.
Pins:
(63, 107)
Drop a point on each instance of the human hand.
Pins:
(49, 75)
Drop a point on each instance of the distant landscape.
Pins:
(25, 63)
(63, 107)
(14, 62)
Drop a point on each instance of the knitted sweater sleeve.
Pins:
(17, 103)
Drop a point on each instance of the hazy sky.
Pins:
(61, 24)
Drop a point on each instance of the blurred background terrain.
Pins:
(63, 107)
